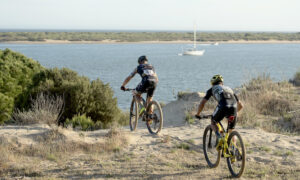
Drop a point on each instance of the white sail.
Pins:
(193, 51)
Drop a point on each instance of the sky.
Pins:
(208, 15)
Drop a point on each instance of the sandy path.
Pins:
(269, 155)
(163, 156)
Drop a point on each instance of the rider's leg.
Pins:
(150, 92)
(218, 115)
(232, 121)
(139, 90)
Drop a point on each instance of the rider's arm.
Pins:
(201, 106)
(129, 77)
(239, 103)
(203, 101)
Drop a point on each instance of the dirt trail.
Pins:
(176, 153)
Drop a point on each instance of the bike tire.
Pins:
(155, 126)
(241, 159)
(134, 116)
(211, 148)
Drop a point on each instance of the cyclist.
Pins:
(228, 104)
(149, 79)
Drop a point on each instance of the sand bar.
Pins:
(50, 41)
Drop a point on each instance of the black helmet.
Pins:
(142, 59)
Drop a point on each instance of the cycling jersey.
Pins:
(149, 79)
(146, 71)
(227, 104)
(223, 94)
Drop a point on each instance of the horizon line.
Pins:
(130, 30)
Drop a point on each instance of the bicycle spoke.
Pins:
(236, 161)
(212, 155)
(155, 119)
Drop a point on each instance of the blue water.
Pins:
(112, 63)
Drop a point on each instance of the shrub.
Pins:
(16, 73)
(44, 109)
(82, 122)
(189, 118)
(82, 96)
(296, 79)
(269, 98)
(296, 121)
(22, 78)
(262, 96)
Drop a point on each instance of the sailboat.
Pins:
(193, 51)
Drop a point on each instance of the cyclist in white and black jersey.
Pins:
(228, 103)
(149, 78)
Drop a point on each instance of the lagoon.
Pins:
(113, 62)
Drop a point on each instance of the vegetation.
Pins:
(263, 97)
(22, 81)
(16, 77)
(54, 145)
(81, 96)
(82, 122)
(44, 109)
(296, 80)
(146, 36)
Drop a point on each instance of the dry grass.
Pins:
(44, 109)
(262, 96)
(296, 80)
(53, 146)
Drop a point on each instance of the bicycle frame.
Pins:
(143, 104)
(224, 145)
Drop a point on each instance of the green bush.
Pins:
(81, 96)
(16, 74)
(22, 79)
(82, 122)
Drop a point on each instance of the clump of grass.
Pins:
(116, 140)
(81, 122)
(182, 94)
(296, 80)
(183, 146)
(262, 96)
(166, 139)
(189, 118)
(44, 109)
(283, 153)
(265, 149)
(296, 121)
(191, 141)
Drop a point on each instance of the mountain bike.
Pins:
(150, 113)
(230, 146)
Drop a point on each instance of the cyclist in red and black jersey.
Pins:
(228, 103)
(149, 78)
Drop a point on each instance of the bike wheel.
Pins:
(210, 142)
(134, 115)
(155, 120)
(236, 163)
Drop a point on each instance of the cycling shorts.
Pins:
(221, 112)
(146, 87)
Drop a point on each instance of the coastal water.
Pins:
(112, 63)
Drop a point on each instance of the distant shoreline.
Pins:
(50, 41)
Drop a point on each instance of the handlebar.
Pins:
(129, 89)
(203, 116)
